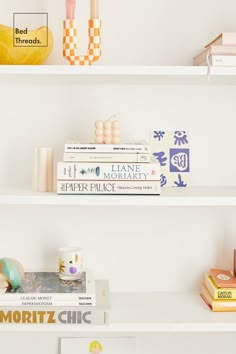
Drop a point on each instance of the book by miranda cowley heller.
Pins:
(109, 187)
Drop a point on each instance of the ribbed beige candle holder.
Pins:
(43, 169)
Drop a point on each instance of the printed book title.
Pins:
(20, 40)
(141, 172)
(63, 317)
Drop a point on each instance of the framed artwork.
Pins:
(172, 150)
(99, 345)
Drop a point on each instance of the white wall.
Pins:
(138, 249)
(49, 112)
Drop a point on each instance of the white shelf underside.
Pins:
(191, 196)
(149, 313)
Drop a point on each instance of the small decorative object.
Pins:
(99, 345)
(107, 132)
(25, 54)
(11, 273)
(43, 170)
(70, 263)
(172, 151)
(95, 347)
(70, 35)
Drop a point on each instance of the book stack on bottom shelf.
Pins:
(219, 290)
(43, 298)
(108, 169)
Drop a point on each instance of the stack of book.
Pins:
(219, 290)
(43, 298)
(108, 169)
(221, 51)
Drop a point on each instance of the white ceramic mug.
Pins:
(70, 263)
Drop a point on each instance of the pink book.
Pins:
(225, 38)
(213, 50)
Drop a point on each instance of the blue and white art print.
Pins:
(171, 149)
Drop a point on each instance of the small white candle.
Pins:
(43, 170)
(36, 170)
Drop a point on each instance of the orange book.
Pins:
(223, 278)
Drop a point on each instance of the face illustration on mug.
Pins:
(70, 263)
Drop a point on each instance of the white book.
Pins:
(61, 314)
(214, 50)
(223, 60)
(49, 303)
(115, 148)
(220, 61)
(46, 289)
(53, 316)
(106, 157)
(108, 171)
(109, 187)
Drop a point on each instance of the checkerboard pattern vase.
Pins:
(70, 46)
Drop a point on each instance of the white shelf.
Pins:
(149, 313)
(191, 196)
(126, 74)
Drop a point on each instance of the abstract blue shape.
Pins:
(163, 180)
(160, 156)
(180, 137)
(179, 160)
(158, 135)
(180, 182)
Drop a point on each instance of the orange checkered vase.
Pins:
(70, 37)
